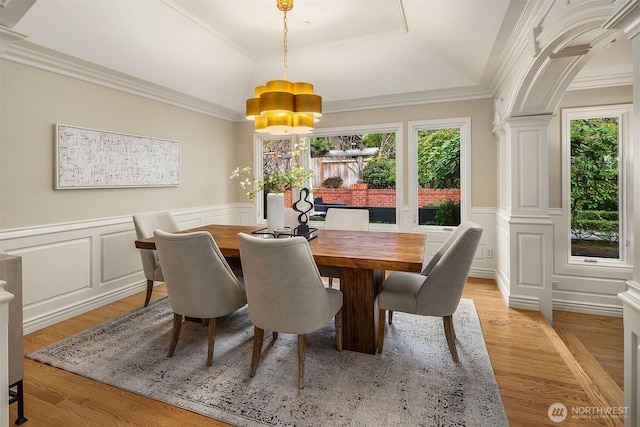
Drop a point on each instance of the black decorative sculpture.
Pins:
(304, 206)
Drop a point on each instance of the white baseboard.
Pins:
(587, 308)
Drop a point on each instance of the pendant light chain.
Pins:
(286, 30)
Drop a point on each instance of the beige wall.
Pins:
(33, 100)
(576, 98)
(483, 142)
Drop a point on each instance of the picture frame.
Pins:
(90, 158)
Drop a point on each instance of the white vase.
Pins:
(275, 211)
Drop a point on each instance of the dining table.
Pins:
(362, 257)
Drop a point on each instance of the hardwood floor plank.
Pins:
(601, 335)
(530, 372)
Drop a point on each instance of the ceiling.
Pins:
(355, 52)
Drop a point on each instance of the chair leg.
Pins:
(390, 316)
(331, 282)
(147, 298)
(302, 342)
(212, 337)
(451, 336)
(338, 323)
(177, 325)
(274, 335)
(381, 316)
(258, 335)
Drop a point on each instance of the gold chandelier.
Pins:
(281, 107)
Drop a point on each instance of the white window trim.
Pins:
(464, 124)
(579, 265)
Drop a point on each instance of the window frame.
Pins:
(623, 112)
(396, 127)
(462, 123)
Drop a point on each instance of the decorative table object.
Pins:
(275, 211)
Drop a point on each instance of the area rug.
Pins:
(413, 382)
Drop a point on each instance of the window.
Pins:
(352, 166)
(439, 171)
(273, 158)
(596, 145)
(357, 166)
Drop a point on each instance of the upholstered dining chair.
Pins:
(199, 281)
(145, 224)
(285, 293)
(436, 257)
(437, 292)
(342, 219)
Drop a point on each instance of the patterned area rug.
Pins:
(414, 381)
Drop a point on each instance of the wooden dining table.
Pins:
(362, 257)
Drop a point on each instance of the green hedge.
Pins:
(601, 225)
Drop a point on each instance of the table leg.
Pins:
(360, 289)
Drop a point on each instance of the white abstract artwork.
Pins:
(89, 158)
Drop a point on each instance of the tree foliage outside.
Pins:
(332, 182)
(448, 213)
(382, 162)
(380, 173)
(594, 164)
(594, 181)
(439, 158)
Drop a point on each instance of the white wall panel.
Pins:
(529, 178)
(530, 251)
(54, 269)
(72, 268)
(119, 257)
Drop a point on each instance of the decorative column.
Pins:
(5, 297)
(626, 17)
(525, 230)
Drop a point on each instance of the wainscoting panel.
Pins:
(75, 267)
(120, 258)
(530, 252)
(56, 269)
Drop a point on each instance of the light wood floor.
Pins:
(532, 373)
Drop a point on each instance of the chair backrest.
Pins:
(447, 243)
(442, 289)
(199, 281)
(145, 224)
(284, 289)
(347, 219)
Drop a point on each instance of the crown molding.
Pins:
(37, 57)
(626, 17)
(406, 99)
(29, 54)
(8, 36)
(596, 82)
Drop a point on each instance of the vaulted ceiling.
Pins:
(356, 52)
